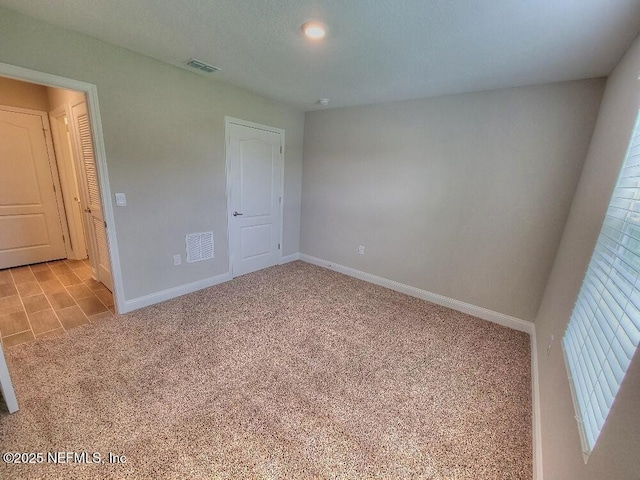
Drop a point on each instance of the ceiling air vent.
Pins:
(199, 246)
(205, 67)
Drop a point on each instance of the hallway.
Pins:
(48, 299)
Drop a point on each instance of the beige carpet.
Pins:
(291, 372)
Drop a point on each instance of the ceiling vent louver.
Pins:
(205, 67)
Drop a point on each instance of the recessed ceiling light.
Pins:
(323, 101)
(314, 30)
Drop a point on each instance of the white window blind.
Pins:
(604, 329)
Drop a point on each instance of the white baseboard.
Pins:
(290, 258)
(480, 312)
(537, 424)
(168, 294)
(157, 297)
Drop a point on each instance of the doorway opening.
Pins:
(55, 265)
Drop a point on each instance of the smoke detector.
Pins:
(324, 102)
(200, 65)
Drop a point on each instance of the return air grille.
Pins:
(199, 246)
(205, 67)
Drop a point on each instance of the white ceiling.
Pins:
(375, 50)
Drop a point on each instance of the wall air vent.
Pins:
(205, 67)
(199, 246)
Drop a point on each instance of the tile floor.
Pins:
(48, 299)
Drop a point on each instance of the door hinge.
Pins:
(280, 200)
(280, 148)
(105, 224)
(63, 239)
(54, 188)
(278, 246)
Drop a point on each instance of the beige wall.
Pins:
(59, 97)
(465, 196)
(24, 95)
(164, 135)
(616, 453)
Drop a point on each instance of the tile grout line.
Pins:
(66, 289)
(82, 282)
(48, 301)
(50, 304)
(27, 296)
(99, 299)
(24, 309)
(21, 331)
(57, 276)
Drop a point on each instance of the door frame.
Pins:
(67, 169)
(228, 121)
(91, 92)
(53, 168)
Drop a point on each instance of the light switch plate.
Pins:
(121, 200)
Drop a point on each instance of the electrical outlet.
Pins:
(361, 250)
(549, 346)
(177, 260)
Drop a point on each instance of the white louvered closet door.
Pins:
(94, 219)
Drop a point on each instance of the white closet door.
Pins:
(255, 195)
(94, 219)
(30, 223)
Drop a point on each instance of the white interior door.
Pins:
(94, 219)
(30, 224)
(255, 165)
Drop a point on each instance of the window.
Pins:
(604, 329)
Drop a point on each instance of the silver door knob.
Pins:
(87, 210)
(235, 214)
